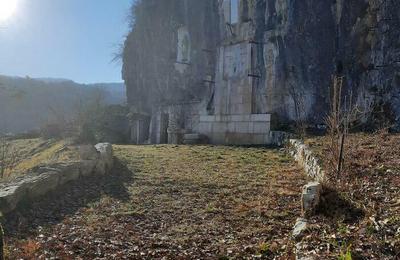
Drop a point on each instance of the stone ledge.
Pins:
(44, 179)
(236, 118)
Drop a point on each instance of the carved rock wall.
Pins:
(264, 56)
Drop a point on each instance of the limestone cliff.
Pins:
(154, 70)
(264, 56)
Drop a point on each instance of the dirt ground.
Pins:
(168, 202)
(362, 212)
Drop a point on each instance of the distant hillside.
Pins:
(115, 92)
(26, 103)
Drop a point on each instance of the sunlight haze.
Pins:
(7, 9)
(71, 39)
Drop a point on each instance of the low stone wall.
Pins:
(44, 179)
(310, 196)
(304, 156)
(236, 129)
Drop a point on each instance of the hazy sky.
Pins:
(72, 39)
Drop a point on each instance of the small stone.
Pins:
(299, 228)
(310, 197)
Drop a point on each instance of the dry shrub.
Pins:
(29, 248)
(342, 116)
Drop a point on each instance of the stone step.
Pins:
(194, 139)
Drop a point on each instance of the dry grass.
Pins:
(186, 202)
(30, 153)
(364, 204)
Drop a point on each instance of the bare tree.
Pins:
(342, 116)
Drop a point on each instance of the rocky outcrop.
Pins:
(224, 57)
(45, 179)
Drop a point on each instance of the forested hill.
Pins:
(27, 104)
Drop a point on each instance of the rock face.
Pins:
(195, 65)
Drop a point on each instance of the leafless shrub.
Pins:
(81, 125)
(297, 96)
(342, 116)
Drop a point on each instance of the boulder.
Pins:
(69, 172)
(101, 167)
(106, 154)
(87, 167)
(88, 152)
(11, 195)
(42, 184)
(46, 178)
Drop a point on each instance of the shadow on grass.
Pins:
(335, 207)
(67, 200)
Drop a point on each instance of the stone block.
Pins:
(251, 127)
(310, 198)
(242, 127)
(267, 139)
(257, 139)
(205, 127)
(237, 118)
(246, 108)
(260, 128)
(207, 118)
(219, 127)
(261, 117)
(231, 127)
(194, 139)
(225, 118)
(247, 98)
(218, 138)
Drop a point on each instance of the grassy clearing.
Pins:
(182, 202)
